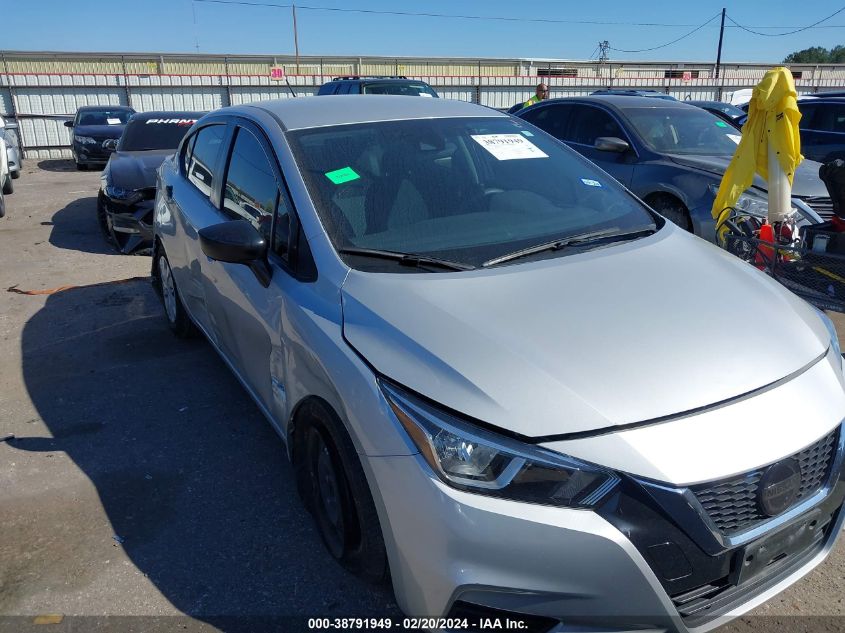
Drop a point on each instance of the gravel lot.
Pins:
(142, 481)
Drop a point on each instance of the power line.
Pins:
(654, 48)
(803, 28)
(303, 7)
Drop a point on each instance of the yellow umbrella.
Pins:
(770, 146)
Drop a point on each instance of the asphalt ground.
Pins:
(143, 490)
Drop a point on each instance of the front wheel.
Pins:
(177, 317)
(334, 489)
(673, 210)
(8, 186)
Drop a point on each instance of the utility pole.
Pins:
(721, 36)
(719, 57)
(296, 37)
(603, 51)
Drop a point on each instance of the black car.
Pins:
(92, 127)
(725, 111)
(377, 86)
(671, 155)
(625, 92)
(127, 185)
(822, 128)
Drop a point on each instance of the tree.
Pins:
(817, 55)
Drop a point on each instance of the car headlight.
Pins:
(834, 337)
(750, 203)
(124, 196)
(85, 140)
(473, 459)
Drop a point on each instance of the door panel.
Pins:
(586, 124)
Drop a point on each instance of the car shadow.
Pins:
(194, 481)
(75, 228)
(58, 165)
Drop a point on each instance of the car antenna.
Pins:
(289, 87)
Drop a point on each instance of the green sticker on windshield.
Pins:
(340, 176)
(721, 124)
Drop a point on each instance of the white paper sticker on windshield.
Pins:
(508, 146)
(425, 94)
(113, 121)
(591, 183)
(736, 138)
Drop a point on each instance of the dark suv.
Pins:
(822, 128)
(377, 86)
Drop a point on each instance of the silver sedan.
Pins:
(498, 374)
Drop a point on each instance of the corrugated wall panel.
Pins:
(456, 92)
(248, 95)
(66, 100)
(210, 98)
(44, 132)
(5, 101)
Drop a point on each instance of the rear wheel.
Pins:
(81, 167)
(8, 186)
(672, 209)
(335, 491)
(16, 175)
(174, 310)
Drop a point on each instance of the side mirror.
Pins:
(235, 242)
(110, 144)
(68, 123)
(611, 144)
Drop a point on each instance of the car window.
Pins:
(203, 158)
(830, 117)
(552, 119)
(399, 88)
(154, 133)
(282, 227)
(463, 189)
(808, 113)
(251, 192)
(588, 123)
(343, 88)
(684, 130)
(103, 117)
(186, 153)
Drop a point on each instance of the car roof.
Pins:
(621, 102)
(308, 112)
(104, 107)
(168, 114)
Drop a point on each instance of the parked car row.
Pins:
(11, 160)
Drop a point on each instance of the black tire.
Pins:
(8, 186)
(347, 520)
(672, 209)
(81, 167)
(16, 175)
(103, 222)
(174, 310)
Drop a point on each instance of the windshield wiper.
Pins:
(406, 259)
(574, 240)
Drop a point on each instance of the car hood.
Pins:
(100, 132)
(135, 170)
(806, 182)
(627, 333)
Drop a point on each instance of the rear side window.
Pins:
(203, 157)
(588, 123)
(251, 192)
(551, 119)
(830, 117)
(808, 113)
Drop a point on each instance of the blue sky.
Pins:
(179, 25)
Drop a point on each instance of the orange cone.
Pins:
(765, 256)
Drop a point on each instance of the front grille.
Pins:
(732, 503)
(821, 205)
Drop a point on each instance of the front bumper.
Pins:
(450, 549)
(131, 226)
(90, 153)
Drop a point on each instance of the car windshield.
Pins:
(684, 130)
(466, 190)
(104, 117)
(149, 134)
(398, 88)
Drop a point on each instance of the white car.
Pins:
(5, 173)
